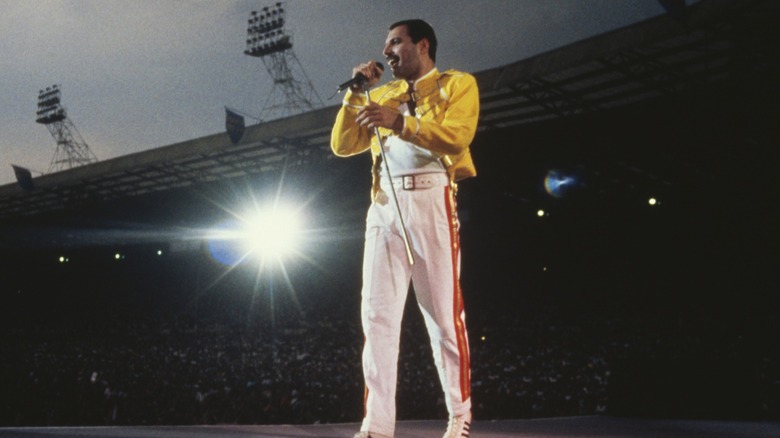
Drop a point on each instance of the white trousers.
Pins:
(430, 217)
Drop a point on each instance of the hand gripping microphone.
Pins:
(359, 79)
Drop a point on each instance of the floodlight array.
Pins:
(265, 32)
(49, 108)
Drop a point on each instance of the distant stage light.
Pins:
(653, 202)
(557, 185)
(541, 213)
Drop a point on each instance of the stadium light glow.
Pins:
(272, 232)
(264, 234)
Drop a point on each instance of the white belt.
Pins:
(419, 181)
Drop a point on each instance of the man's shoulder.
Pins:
(455, 72)
(452, 80)
(457, 75)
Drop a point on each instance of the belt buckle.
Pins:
(408, 182)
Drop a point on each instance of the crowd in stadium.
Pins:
(194, 370)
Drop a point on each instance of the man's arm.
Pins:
(347, 137)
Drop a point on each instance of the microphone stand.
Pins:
(404, 233)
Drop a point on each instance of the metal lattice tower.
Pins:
(72, 150)
(292, 91)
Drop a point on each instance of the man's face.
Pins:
(402, 55)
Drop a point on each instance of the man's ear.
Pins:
(423, 46)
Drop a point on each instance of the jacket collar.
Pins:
(424, 85)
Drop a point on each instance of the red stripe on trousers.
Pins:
(460, 327)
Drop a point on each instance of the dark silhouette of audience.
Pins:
(172, 368)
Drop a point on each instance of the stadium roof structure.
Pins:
(711, 42)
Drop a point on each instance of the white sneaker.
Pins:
(458, 427)
(362, 434)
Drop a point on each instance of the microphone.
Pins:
(359, 79)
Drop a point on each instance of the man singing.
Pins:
(426, 120)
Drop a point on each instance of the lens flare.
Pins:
(223, 243)
(557, 184)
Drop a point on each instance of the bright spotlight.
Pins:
(266, 233)
(272, 232)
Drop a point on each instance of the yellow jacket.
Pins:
(445, 122)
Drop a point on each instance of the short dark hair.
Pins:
(419, 29)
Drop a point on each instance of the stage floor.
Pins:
(579, 427)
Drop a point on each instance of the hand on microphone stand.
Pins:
(375, 115)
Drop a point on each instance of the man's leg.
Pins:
(437, 287)
(386, 279)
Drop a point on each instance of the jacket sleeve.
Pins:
(452, 133)
(347, 137)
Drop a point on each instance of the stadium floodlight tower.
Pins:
(267, 39)
(72, 150)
